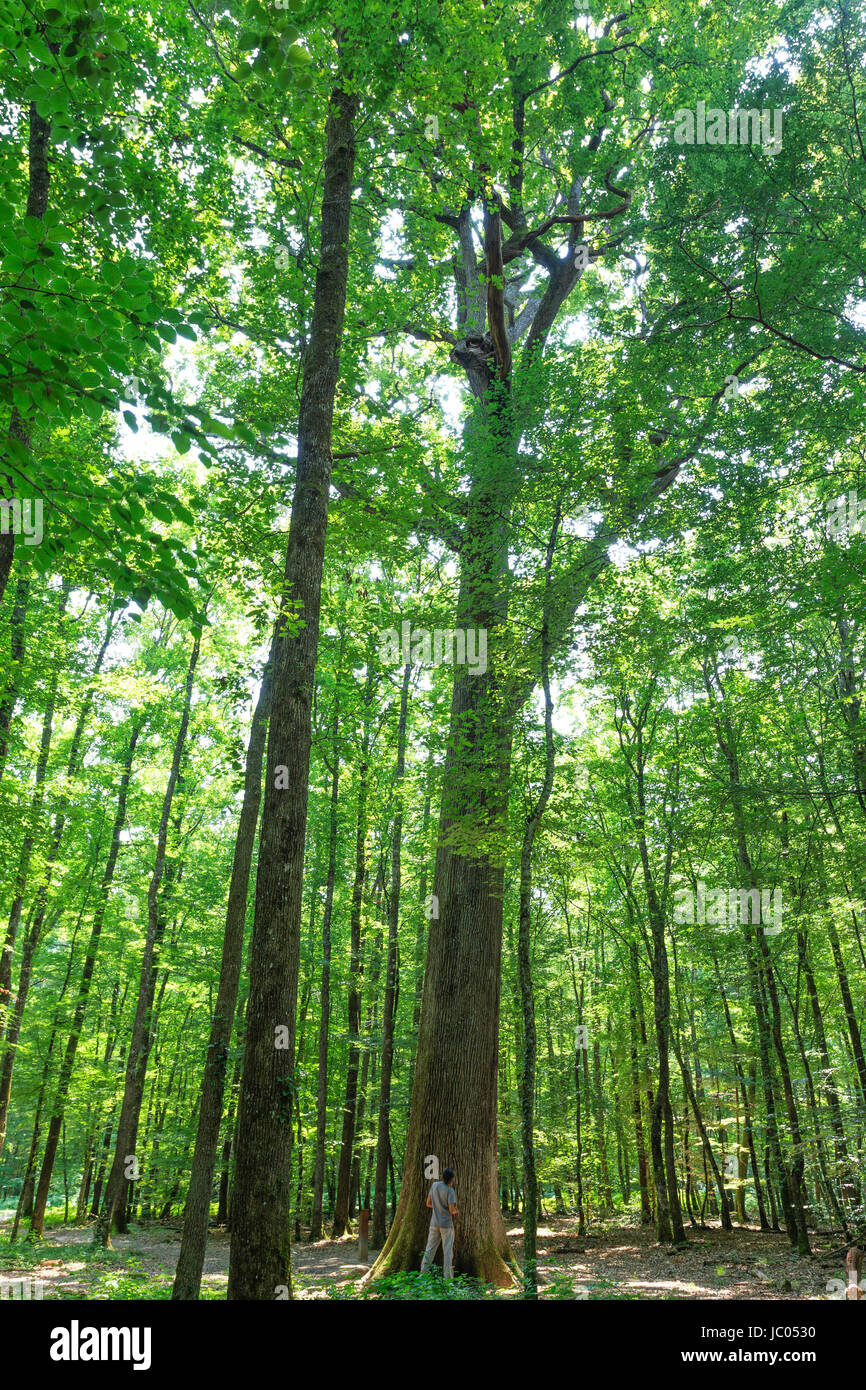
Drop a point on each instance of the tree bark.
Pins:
(190, 1263)
(260, 1251)
(39, 176)
(325, 1001)
(347, 1139)
(16, 657)
(139, 1042)
(383, 1136)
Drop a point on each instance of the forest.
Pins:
(432, 649)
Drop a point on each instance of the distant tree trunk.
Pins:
(761, 984)
(325, 1001)
(26, 1201)
(797, 1162)
(579, 1052)
(35, 931)
(223, 1206)
(16, 657)
(705, 1140)
(63, 1082)
(747, 1095)
(669, 1219)
(299, 1065)
(100, 1171)
(646, 1214)
(827, 1082)
(86, 1175)
(383, 1137)
(190, 1263)
(139, 1042)
(848, 1006)
(19, 889)
(425, 914)
(524, 953)
(556, 1102)
(605, 1187)
(347, 1141)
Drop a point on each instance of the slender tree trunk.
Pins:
(524, 955)
(260, 1251)
(747, 1094)
(848, 1006)
(139, 1042)
(34, 934)
(325, 1010)
(718, 1177)
(54, 1128)
(637, 1109)
(16, 658)
(383, 1137)
(223, 1206)
(190, 1263)
(20, 886)
(37, 202)
(763, 990)
(347, 1140)
(86, 1174)
(606, 1191)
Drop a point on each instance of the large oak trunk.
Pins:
(454, 1097)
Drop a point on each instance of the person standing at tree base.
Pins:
(443, 1200)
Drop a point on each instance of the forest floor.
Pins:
(614, 1262)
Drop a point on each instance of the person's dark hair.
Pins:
(448, 1175)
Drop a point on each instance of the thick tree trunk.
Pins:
(453, 1110)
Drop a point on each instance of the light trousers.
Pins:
(446, 1235)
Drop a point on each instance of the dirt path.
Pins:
(616, 1262)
